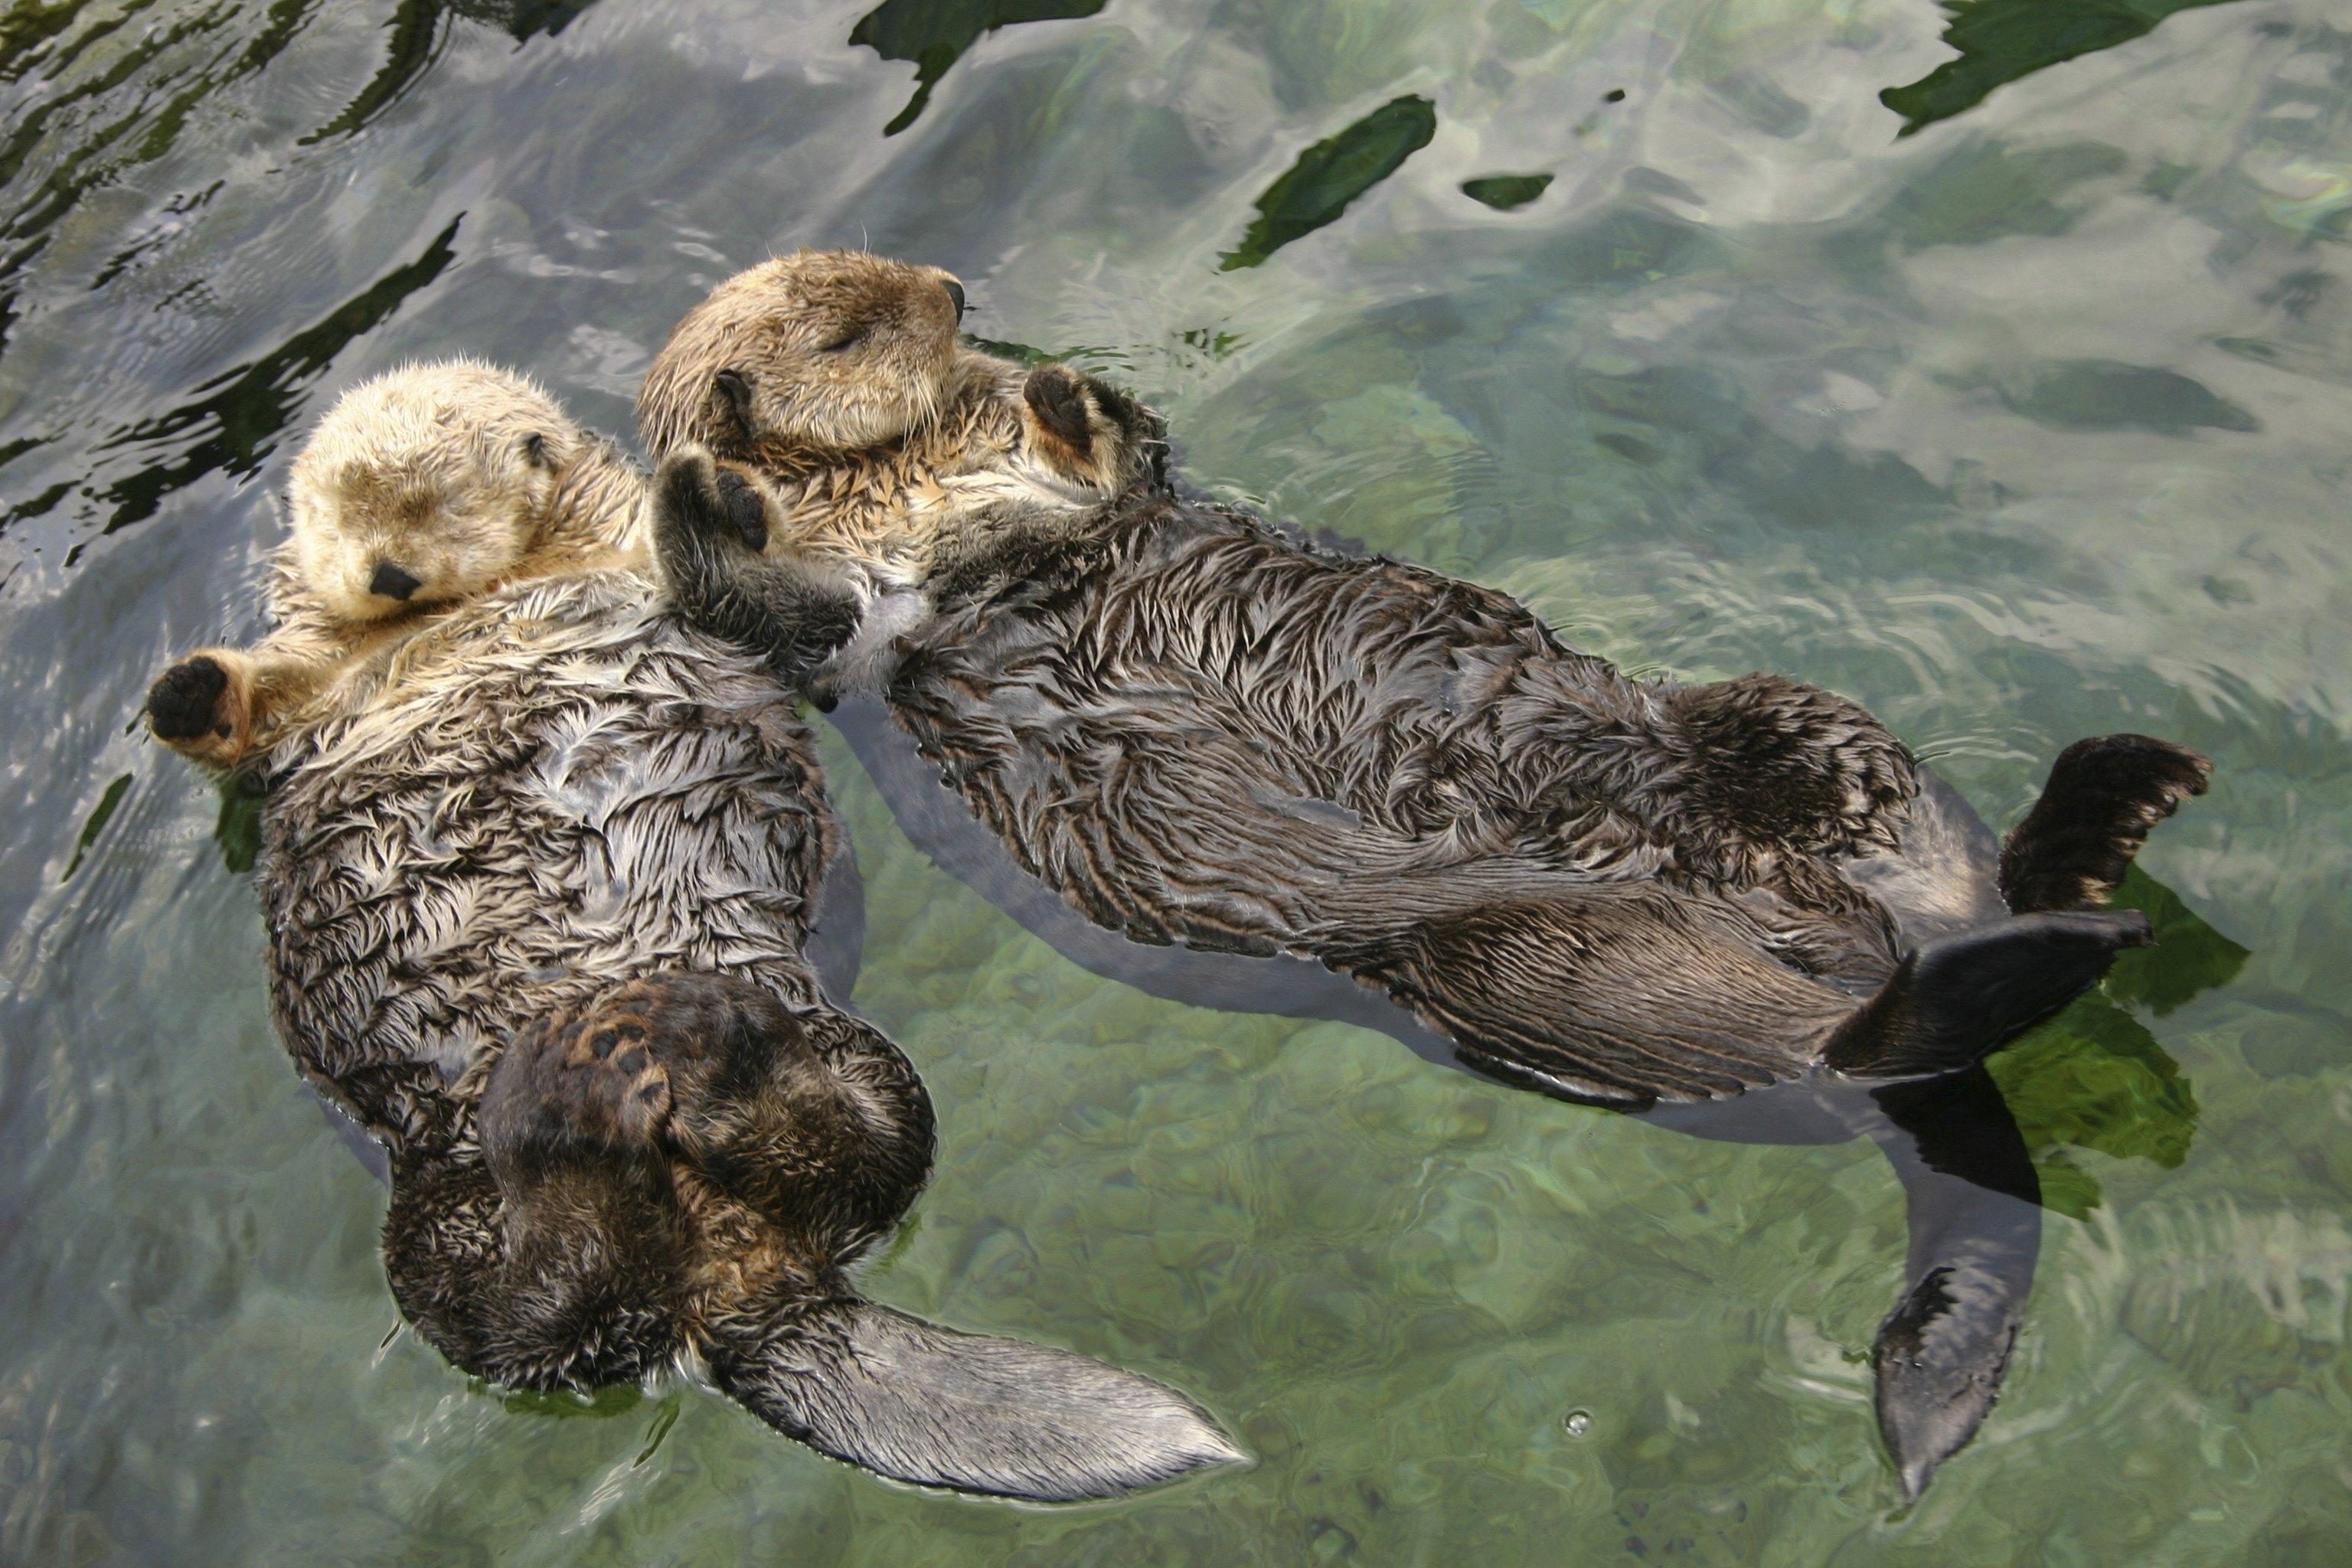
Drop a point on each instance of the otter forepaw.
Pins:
(589, 1082)
(201, 708)
(1057, 395)
(1089, 430)
(709, 500)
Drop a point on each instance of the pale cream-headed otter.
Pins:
(421, 490)
(1201, 731)
(539, 883)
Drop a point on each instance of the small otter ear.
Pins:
(731, 394)
(533, 447)
(918, 1403)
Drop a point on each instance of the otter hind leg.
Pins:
(1953, 1001)
(2103, 795)
(555, 1257)
(1618, 994)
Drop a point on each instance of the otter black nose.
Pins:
(955, 296)
(390, 581)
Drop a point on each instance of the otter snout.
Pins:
(955, 297)
(391, 583)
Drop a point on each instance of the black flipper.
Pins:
(2104, 794)
(1953, 1001)
(1973, 1201)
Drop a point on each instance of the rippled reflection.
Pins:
(236, 417)
(2002, 40)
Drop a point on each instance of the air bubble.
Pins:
(1578, 1422)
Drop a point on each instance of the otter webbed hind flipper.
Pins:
(918, 1402)
(2103, 795)
(1973, 1201)
(1953, 1001)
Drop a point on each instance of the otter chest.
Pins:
(564, 788)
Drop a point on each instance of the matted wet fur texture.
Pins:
(538, 874)
(1201, 730)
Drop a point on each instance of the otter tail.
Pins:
(1953, 1001)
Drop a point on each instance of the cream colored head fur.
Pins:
(426, 486)
(818, 351)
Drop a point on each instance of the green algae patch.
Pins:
(1333, 172)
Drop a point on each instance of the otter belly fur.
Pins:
(1202, 731)
(561, 790)
(537, 911)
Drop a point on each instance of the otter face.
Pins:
(425, 487)
(822, 349)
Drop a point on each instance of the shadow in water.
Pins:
(1333, 172)
(2003, 41)
(419, 32)
(933, 35)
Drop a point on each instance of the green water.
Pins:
(2029, 425)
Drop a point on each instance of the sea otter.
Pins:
(1198, 731)
(537, 883)
(1203, 731)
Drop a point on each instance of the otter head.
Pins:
(425, 486)
(821, 350)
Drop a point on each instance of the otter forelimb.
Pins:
(711, 535)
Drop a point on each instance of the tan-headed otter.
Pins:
(1203, 732)
(1199, 731)
(537, 899)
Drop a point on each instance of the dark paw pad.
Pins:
(185, 701)
(705, 500)
(1057, 395)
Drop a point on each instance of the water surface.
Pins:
(2028, 423)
